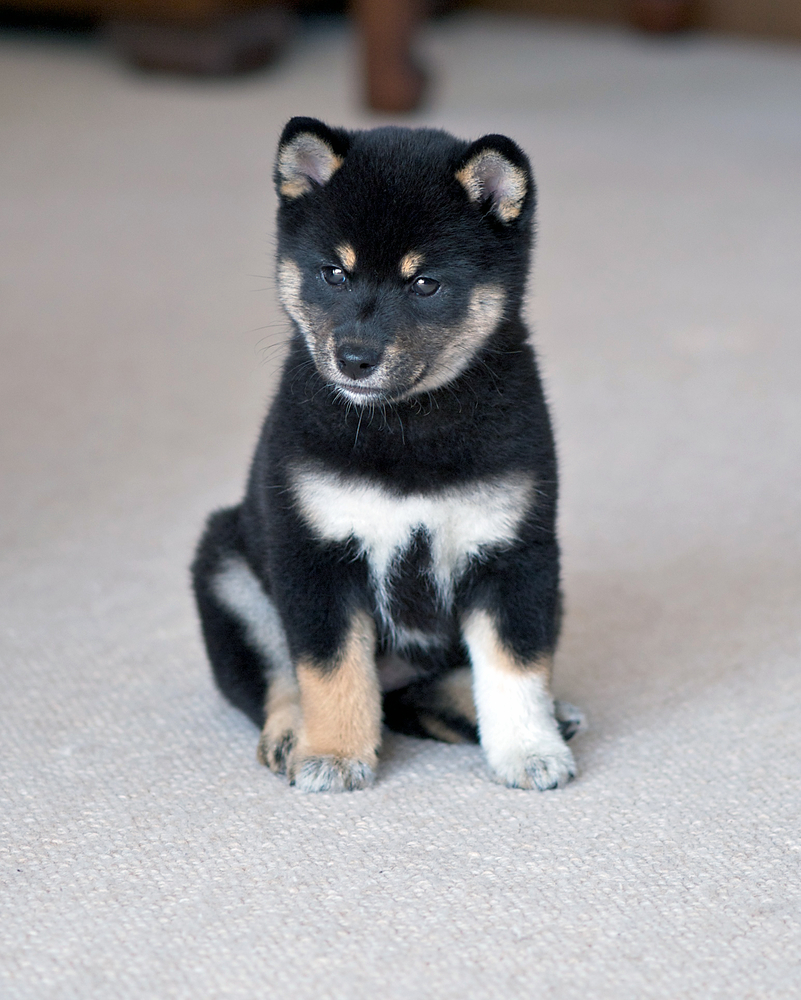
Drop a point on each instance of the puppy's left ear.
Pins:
(309, 154)
(495, 173)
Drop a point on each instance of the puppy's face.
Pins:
(400, 252)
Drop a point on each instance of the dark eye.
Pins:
(334, 275)
(424, 286)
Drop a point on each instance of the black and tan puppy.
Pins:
(398, 529)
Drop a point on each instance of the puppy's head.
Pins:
(400, 251)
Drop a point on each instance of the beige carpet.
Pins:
(145, 854)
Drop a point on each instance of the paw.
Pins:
(330, 774)
(274, 750)
(571, 720)
(545, 768)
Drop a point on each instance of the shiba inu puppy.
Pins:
(395, 554)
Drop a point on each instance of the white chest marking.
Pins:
(461, 521)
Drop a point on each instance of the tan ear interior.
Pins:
(489, 174)
(304, 161)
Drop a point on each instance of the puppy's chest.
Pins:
(417, 545)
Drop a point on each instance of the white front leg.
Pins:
(516, 722)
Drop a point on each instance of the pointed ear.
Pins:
(495, 172)
(309, 153)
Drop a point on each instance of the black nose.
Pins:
(357, 360)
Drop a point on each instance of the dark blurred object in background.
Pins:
(208, 37)
(215, 44)
(662, 15)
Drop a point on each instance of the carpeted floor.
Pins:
(145, 854)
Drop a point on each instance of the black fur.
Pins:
(393, 191)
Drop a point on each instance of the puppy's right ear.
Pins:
(309, 154)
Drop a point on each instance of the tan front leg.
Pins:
(337, 747)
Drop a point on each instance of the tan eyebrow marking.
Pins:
(410, 264)
(348, 256)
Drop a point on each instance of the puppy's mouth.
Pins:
(360, 393)
(381, 386)
(394, 392)
(391, 391)
(365, 394)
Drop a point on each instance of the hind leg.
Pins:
(571, 720)
(282, 725)
(439, 709)
(239, 669)
(245, 639)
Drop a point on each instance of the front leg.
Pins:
(340, 700)
(516, 721)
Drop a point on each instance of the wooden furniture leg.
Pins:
(660, 16)
(394, 82)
